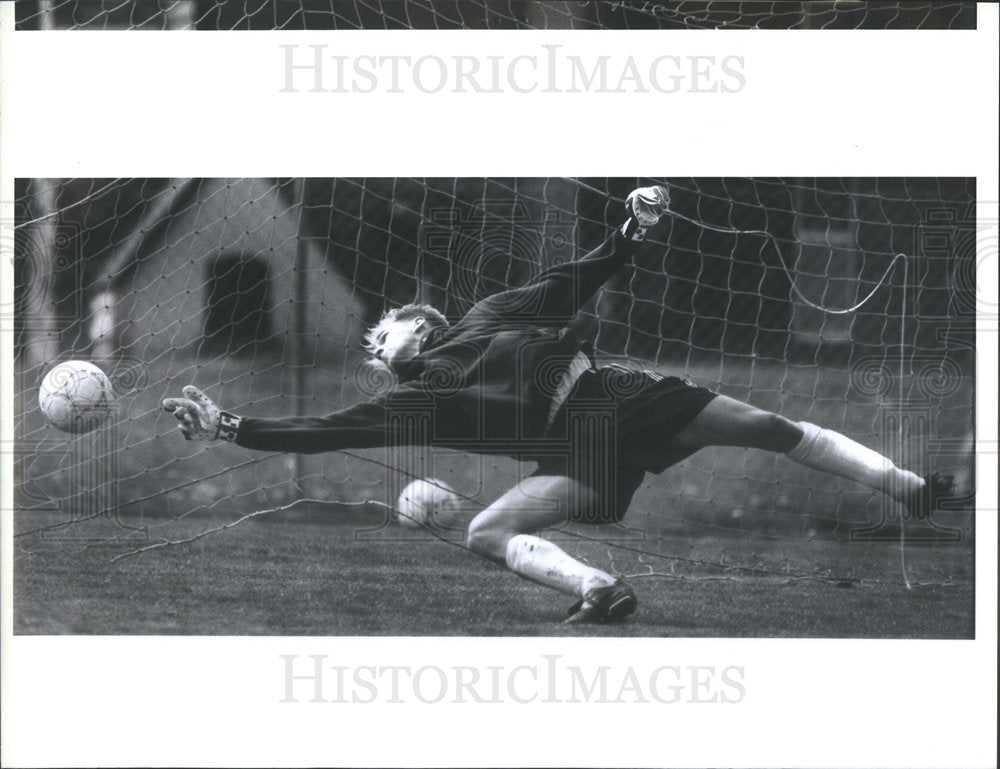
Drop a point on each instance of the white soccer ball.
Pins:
(426, 502)
(75, 396)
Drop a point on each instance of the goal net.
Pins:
(490, 14)
(849, 303)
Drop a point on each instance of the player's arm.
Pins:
(555, 295)
(360, 426)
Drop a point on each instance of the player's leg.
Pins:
(506, 532)
(728, 422)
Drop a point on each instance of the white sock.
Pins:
(541, 561)
(834, 453)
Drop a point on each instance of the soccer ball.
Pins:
(426, 502)
(75, 396)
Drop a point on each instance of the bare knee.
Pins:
(773, 432)
(488, 540)
(534, 504)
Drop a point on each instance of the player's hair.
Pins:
(431, 315)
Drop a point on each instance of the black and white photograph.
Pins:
(385, 363)
(642, 394)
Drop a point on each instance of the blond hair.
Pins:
(431, 315)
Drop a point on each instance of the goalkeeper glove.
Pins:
(645, 207)
(200, 418)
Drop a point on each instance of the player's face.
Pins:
(398, 342)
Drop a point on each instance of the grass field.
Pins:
(311, 576)
(729, 543)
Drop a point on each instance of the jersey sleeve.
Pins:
(361, 426)
(554, 296)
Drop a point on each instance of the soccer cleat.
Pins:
(645, 206)
(922, 503)
(611, 603)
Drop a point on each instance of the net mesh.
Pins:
(480, 14)
(259, 291)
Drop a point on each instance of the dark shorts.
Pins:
(616, 426)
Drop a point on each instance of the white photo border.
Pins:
(90, 104)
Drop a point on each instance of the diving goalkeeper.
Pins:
(511, 378)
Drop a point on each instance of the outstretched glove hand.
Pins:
(200, 418)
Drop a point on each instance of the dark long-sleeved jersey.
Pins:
(484, 384)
